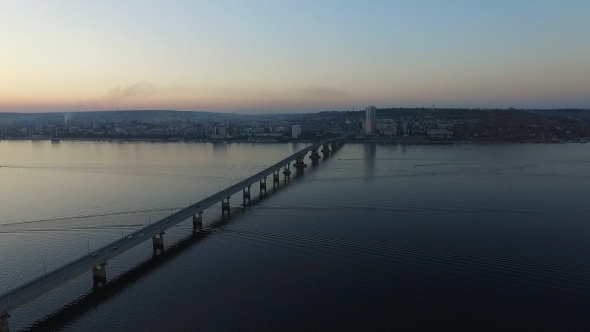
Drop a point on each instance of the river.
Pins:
(410, 236)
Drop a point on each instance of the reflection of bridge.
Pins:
(97, 260)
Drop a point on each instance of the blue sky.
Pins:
(277, 56)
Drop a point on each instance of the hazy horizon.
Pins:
(268, 57)
(356, 109)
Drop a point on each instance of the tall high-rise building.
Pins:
(295, 131)
(370, 122)
(222, 131)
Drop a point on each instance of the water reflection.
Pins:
(370, 153)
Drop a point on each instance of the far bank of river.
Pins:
(392, 141)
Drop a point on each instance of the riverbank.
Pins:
(385, 141)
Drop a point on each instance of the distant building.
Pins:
(370, 120)
(389, 132)
(440, 133)
(221, 131)
(388, 129)
(295, 131)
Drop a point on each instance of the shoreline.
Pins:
(391, 141)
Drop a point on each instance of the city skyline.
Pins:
(305, 57)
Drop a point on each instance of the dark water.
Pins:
(376, 236)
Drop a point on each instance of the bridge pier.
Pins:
(315, 157)
(263, 185)
(99, 275)
(326, 149)
(198, 221)
(4, 323)
(225, 207)
(158, 241)
(299, 163)
(246, 195)
(287, 172)
(276, 179)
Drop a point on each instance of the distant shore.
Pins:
(158, 140)
(385, 141)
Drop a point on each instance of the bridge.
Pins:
(97, 260)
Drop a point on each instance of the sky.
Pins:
(292, 56)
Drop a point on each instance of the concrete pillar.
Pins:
(299, 163)
(4, 323)
(326, 149)
(315, 156)
(263, 185)
(99, 275)
(287, 172)
(158, 241)
(198, 221)
(225, 206)
(276, 179)
(246, 195)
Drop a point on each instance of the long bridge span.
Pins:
(96, 261)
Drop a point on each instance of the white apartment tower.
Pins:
(370, 123)
(295, 131)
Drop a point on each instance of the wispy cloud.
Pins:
(135, 90)
(323, 92)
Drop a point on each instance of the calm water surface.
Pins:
(383, 236)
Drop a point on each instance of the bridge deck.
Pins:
(37, 287)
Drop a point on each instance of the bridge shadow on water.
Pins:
(102, 293)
